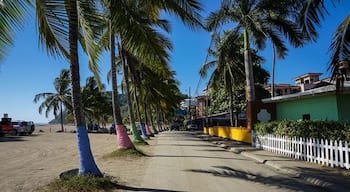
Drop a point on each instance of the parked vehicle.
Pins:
(192, 127)
(175, 126)
(24, 127)
(112, 129)
(6, 126)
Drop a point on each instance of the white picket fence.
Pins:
(330, 153)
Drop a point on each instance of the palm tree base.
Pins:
(87, 162)
(124, 141)
(140, 142)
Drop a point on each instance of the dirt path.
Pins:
(28, 162)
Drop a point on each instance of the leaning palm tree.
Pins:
(134, 26)
(56, 101)
(258, 21)
(340, 52)
(310, 14)
(61, 24)
(11, 18)
(133, 22)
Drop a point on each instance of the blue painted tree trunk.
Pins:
(87, 163)
(143, 131)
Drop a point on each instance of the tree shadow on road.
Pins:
(11, 139)
(196, 156)
(186, 145)
(129, 188)
(283, 182)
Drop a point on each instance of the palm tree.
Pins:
(310, 14)
(55, 101)
(228, 66)
(11, 18)
(258, 21)
(61, 24)
(96, 102)
(133, 22)
(136, 136)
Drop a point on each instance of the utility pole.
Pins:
(189, 104)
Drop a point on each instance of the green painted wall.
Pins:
(319, 107)
(344, 107)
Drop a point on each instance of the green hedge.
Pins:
(333, 130)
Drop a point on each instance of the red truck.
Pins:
(6, 126)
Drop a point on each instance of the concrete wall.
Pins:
(322, 107)
(234, 133)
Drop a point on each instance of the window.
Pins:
(306, 117)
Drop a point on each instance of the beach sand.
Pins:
(28, 162)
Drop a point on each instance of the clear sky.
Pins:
(27, 70)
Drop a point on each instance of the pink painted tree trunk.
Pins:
(123, 139)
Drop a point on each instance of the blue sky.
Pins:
(27, 70)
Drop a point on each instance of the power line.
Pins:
(213, 36)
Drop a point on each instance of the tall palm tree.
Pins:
(11, 18)
(228, 66)
(126, 60)
(133, 25)
(258, 21)
(55, 101)
(61, 24)
(133, 21)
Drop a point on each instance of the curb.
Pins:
(307, 178)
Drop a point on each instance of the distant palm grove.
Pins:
(134, 33)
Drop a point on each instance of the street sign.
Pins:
(180, 112)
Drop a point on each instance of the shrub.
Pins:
(78, 183)
(333, 130)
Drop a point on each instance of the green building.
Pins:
(323, 103)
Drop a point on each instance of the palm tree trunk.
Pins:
(136, 136)
(250, 90)
(158, 120)
(61, 116)
(164, 122)
(87, 162)
(152, 121)
(273, 70)
(143, 129)
(231, 106)
(123, 139)
(137, 106)
(149, 132)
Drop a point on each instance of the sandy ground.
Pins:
(28, 162)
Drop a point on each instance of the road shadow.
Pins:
(185, 145)
(129, 188)
(196, 156)
(12, 139)
(279, 181)
(334, 176)
(213, 150)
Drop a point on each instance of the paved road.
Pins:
(182, 162)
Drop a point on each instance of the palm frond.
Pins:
(12, 15)
(310, 16)
(52, 24)
(90, 31)
(187, 10)
(340, 46)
